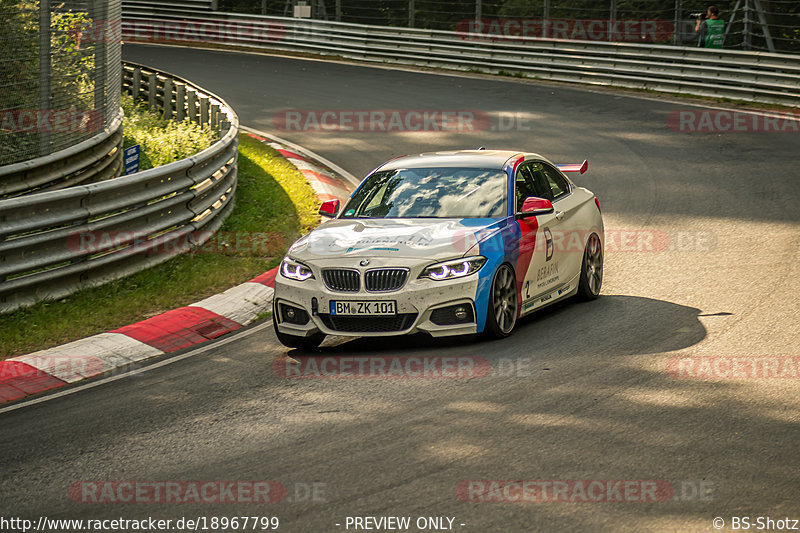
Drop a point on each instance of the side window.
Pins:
(524, 187)
(530, 182)
(377, 198)
(556, 183)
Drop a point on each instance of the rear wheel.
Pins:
(501, 317)
(293, 341)
(591, 269)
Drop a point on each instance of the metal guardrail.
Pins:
(54, 243)
(185, 100)
(95, 159)
(172, 6)
(749, 76)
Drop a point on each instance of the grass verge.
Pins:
(274, 205)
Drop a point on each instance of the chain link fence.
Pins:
(769, 25)
(60, 74)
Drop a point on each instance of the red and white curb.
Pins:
(325, 183)
(168, 332)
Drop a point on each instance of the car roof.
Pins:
(457, 158)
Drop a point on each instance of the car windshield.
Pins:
(430, 193)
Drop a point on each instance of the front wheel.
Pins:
(591, 269)
(293, 341)
(501, 316)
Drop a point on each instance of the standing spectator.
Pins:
(711, 30)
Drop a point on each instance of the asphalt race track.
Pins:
(705, 264)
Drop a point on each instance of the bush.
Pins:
(162, 141)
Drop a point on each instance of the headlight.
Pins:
(457, 268)
(295, 270)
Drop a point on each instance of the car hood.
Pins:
(436, 239)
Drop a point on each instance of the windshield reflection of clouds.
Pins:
(431, 192)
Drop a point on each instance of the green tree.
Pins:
(72, 65)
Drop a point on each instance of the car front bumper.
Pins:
(422, 305)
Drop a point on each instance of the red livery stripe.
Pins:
(527, 244)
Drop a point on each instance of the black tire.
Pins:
(293, 341)
(591, 269)
(501, 315)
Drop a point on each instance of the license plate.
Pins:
(363, 308)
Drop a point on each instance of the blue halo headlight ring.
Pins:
(457, 268)
(295, 270)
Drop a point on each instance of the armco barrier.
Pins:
(169, 209)
(95, 159)
(749, 76)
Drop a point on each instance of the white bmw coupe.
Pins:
(445, 243)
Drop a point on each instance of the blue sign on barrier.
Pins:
(131, 156)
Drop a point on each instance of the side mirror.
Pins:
(329, 209)
(533, 205)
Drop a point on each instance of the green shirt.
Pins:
(715, 34)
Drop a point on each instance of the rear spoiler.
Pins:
(574, 167)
